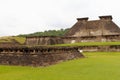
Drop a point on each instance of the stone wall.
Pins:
(37, 56)
(43, 40)
(84, 27)
(44, 56)
(105, 38)
(61, 40)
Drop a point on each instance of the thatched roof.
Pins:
(104, 26)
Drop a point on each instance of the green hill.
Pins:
(60, 32)
(21, 38)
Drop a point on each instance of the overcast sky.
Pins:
(28, 16)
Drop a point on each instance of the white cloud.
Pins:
(27, 16)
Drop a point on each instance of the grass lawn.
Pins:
(96, 66)
(90, 44)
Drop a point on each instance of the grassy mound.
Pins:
(96, 66)
(10, 39)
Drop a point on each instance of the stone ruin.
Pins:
(103, 30)
(37, 55)
(32, 54)
(52, 40)
(104, 26)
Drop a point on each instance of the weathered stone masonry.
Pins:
(102, 30)
(37, 56)
(46, 40)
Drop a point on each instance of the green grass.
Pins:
(96, 66)
(21, 40)
(90, 44)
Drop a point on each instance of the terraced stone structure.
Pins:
(37, 55)
(104, 26)
(103, 30)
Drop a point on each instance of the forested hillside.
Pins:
(60, 32)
